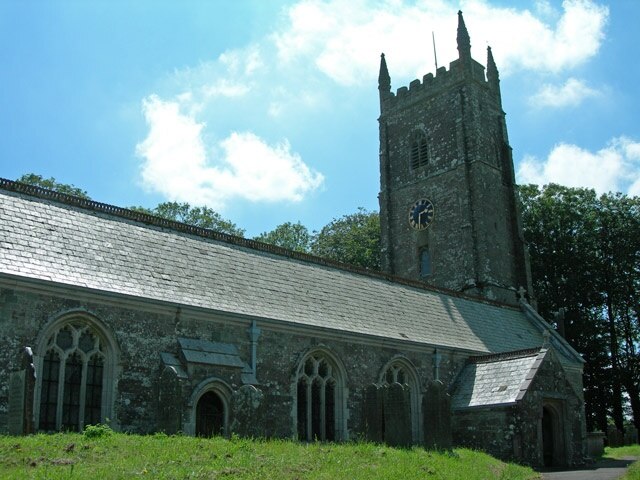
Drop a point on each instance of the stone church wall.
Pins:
(142, 330)
(492, 430)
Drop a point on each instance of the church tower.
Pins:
(448, 202)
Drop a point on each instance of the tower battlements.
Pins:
(462, 70)
(432, 85)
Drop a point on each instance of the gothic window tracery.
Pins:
(72, 378)
(318, 384)
(395, 374)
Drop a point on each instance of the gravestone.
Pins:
(595, 444)
(170, 402)
(436, 405)
(21, 391)
(16, 402)
(630, 436)
(373, 413)
(615, 438)
(248, 411)
(397, 415)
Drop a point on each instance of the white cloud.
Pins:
(274, 82)
(176, 163)
(345, 37)
(225, 88)
(613, 168)
(572, 93)
(233, 74)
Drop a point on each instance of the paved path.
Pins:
(603, 470)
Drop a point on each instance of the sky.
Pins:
(266, 110)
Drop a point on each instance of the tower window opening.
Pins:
(425, 263)
(419, 152)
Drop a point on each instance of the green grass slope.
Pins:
(72, 455)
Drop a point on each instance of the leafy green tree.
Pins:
(585, 260)
(52, 184)
(203, 217)
(560, 226)
(293, 236)
(620, 285)
(353, 239)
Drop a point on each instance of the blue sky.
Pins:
(267, 110)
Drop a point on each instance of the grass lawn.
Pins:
(74, 455)
(621, 452)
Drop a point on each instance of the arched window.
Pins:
(419, 151)
(72, 378)
(400, 370)
(319, 399)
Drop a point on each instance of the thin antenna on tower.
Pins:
(435, 57)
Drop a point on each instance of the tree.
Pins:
(52, 184)
(560, 227)
(293, 236)
(585, 260)
(203, 217)
(353, 239)
(620, 285)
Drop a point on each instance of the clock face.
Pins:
(421, 214)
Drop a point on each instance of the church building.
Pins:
(114, 316)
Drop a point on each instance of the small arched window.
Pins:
(419, 151)
(72, 380)
(425, 263)
(318, 395)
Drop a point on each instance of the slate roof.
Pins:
(496, 380)
(211, 353)
(49, 240)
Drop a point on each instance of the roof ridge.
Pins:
(492, 357)
(153, 220)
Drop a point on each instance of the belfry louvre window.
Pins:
(317, 390)
(72, 379)
(419, 152)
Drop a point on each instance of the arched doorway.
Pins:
(209, 415)
(553, 451)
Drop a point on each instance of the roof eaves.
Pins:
(484, 406)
